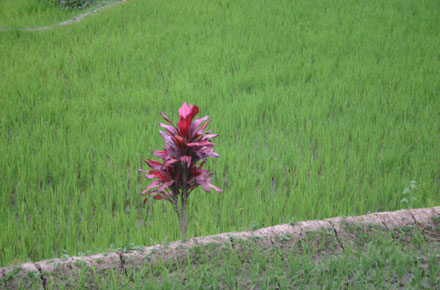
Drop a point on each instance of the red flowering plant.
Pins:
(179, 173)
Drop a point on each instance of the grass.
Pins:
(324, 108)
(16, 14)
(379, 260)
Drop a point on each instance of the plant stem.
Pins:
(184, 199)
(176, 207)
(183, 216)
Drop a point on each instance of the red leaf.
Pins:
(161, 196)
(170, 129)
(188, 111)
(184, 125)
(160, 154)
(171, 161)
(150, 176)
(166, 138)
(158, 175)
(179, 139)
(185, 145)
(154, 164)
(152, 185)
(186, 114)
(205, 186)
(204, 126)
(210, 136)
(186, 161)
(215, 188)
(194, 126)
(165, 185)
(166, 118)
(200, 144)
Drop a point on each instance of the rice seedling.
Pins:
(325, 108)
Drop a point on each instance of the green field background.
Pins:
(324, 108)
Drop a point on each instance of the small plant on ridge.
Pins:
(408, 196)
(179, 173)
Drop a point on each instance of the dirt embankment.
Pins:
(425, 220)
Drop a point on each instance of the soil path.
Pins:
(77, 18)
(426, 220)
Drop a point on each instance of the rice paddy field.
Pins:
(407, 258)
(16, 14)
(324, 108)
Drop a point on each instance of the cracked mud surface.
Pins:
(327, 238)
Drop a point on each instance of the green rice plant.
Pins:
(75, 3)
(325, 108)
(408, 196)
(381, 263)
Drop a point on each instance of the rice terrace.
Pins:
(327, 158)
